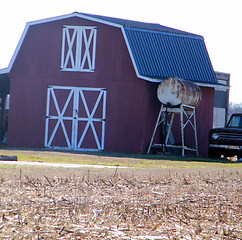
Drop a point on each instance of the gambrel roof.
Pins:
(157, 52)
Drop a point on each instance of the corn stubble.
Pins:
(122, 206)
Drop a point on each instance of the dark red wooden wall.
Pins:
(132, 105)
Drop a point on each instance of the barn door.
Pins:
(75, 118)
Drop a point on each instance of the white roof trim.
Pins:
(82, 15)
(152, 79)
(96, 19)
(217, 86)
(133, 60)
(130, 53)
(75, 14)
(4, 71)
(18, 48)
(222, 73)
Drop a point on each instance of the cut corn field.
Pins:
(121, 204)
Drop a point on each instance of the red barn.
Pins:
(88, 82)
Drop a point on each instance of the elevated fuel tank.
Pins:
(176, 91)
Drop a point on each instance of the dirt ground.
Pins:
(132, 203)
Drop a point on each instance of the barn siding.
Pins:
(132, 105)
(205, 118)
(38, 65)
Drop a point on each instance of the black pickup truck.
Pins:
(227, 141)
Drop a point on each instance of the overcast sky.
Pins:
(218, 21)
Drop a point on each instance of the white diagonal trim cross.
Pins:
(70, 43)
(78, 61)
(59, 117)
(87, 43)
(90, 119)
(75, 94)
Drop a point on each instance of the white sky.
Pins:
(218, 21)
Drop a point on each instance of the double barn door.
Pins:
(75, 118)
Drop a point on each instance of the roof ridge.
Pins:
(153, 31)
(140, 25)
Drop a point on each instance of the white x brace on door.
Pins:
(75, 118)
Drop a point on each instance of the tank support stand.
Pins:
(187, 117)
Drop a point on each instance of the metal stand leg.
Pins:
(187, 116)
(182, 132)
(156, 125)
(169, 128)
(195, 131)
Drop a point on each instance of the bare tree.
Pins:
(234, 108)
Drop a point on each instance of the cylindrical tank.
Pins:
(175, 91)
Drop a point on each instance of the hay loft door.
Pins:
(75, 118)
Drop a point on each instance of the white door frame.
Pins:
(76, 94)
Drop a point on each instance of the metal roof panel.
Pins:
(157, 51)
(160, 56)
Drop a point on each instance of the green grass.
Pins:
(117, 159)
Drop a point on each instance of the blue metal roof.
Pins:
(160, 55)
(159, 52)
